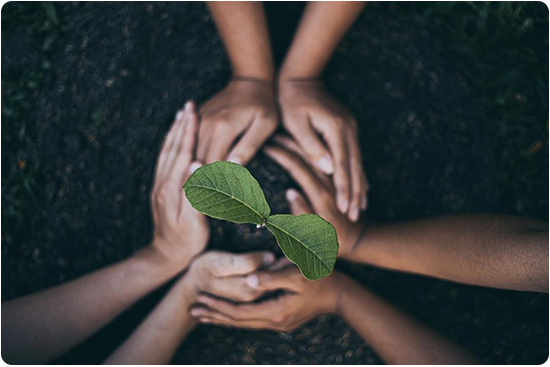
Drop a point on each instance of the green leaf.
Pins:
(225, 190)
(307, 240)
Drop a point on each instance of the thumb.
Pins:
(233, 264)
(284, 278)
(297, 202)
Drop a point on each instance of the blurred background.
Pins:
(452, 103)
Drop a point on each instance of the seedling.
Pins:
(227, 191)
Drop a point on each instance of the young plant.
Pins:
(227, 191)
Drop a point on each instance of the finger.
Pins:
(310, 185)
(233, 288)
(288, 277)
(260, 130)
(207, 316)
(336, 142)
(180, 168)
(176, 143)
(242, 311)
(168, 142)
(309, 141)
(298, 204)
(358, 189)
(279, 264)
(205, 138)
(232, 264)
(187, 209)
(290, 145)
(223, 138)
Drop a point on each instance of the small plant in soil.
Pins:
(227, 191)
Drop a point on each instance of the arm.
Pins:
(323, 127)
(395, 336)
(243, 29)
(157, 338)
(238, 120)
(51, 322)
(321, 28)
(490, 250)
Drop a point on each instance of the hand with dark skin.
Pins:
(490, 250)
(50, 322)
(236, 122)
(395, 336)
(156, 340)
(323, 127)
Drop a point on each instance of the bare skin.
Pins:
(322, 126)
(483, 249)
(238, 120)
(158, 337)
(51, 322)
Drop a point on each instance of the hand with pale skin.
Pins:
(236, 122)
(180, 231)
(158, 337)
(51, 322)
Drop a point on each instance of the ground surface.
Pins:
(88, 94)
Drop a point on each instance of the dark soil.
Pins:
(118, 73)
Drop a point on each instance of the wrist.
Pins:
(345, 287)
(340, 285)
(163, 263)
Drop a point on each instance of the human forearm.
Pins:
(243, 28)
(158, 337)
(51, 322)
(489, 250)
(321, 28)
(395, 336)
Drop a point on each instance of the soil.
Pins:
(120, 71)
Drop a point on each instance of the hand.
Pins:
(309, 113)
(180, 231)
(301, 301)
(317, 189)
(225, 274)
(244, 107)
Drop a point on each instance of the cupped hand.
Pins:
(180, 231)
(317, 189)
(285, 312)
(236, 122)
(225, 275)
(327, 133)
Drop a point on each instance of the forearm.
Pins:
(243, 29)
(489, 250)
(53, 321)
(395, 336)
(157, 338)
(321, 28)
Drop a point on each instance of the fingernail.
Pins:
(364, 202)
(325, 164)
(188, 106)
(342, 205)
(354, 213)
(179, 115)
(205, 321)
(268, 259)
(252, 280)
(291, 194)
(235, 160)
(194, 167)
(196, 312)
